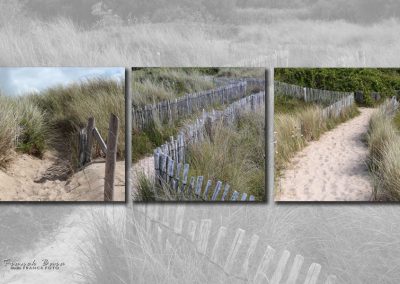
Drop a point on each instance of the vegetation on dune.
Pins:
(233, 154)
(299, 124)
(384, 155)
(396, 120)
(22, 127)
(383, 80)
(51, 119)
(151, 85)
(68, 109)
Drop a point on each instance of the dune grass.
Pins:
(22, 127)
(69, 107)
(31, 42)
(384, 155)
(51, 119)
(234, 155)
(147, 191)
(299, 124)
(151, 85)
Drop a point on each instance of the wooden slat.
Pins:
(236, 244)
(261, 273)
(170, 170)
(192, 230)
(159, 236)
(226, 191)
(185, 176)
(216, 191)
(199, 184)
(235, 196)
(89, 131)
(313, 273)
(249, 253)
(202, 243)
(220, 236)
(99, 140)
(179, 215)
(280, 268)
(208, 185)
(191, 185)
(111, 158)
(295, 270)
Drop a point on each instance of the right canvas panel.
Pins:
(337, 134)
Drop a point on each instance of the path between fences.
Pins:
(167, 164)
(332, 168)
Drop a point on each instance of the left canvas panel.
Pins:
(62, 134)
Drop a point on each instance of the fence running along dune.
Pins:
(244, 259)
(172, 110)
(170, 158)
(309, 94)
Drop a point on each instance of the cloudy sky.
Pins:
(20, 81)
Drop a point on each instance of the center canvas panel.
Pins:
(198, 134)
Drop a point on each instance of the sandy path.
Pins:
(332, 168)
(17, 182)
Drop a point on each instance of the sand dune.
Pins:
(31, 179)
(332, 168)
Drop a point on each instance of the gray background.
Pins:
(357, 242)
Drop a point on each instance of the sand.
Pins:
(332, 168)
(143, 166)
(32, 179)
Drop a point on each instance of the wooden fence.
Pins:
(86, 138)
(244, 260)
(309, 94)
(392, 106)
(335, 109)
(175, 175)
(171, 110)
(170, 163)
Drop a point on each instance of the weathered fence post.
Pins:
(208, 128)
(89, 133)
(82, 146)
(111, 158)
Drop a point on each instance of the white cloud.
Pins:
(20, 81)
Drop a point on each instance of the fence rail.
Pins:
(309, 94)
(392, 106)
(171, 110)
(246, 260)
(170, 158)
(87, 136)
(335, 109)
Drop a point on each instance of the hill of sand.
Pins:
(27, 178)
